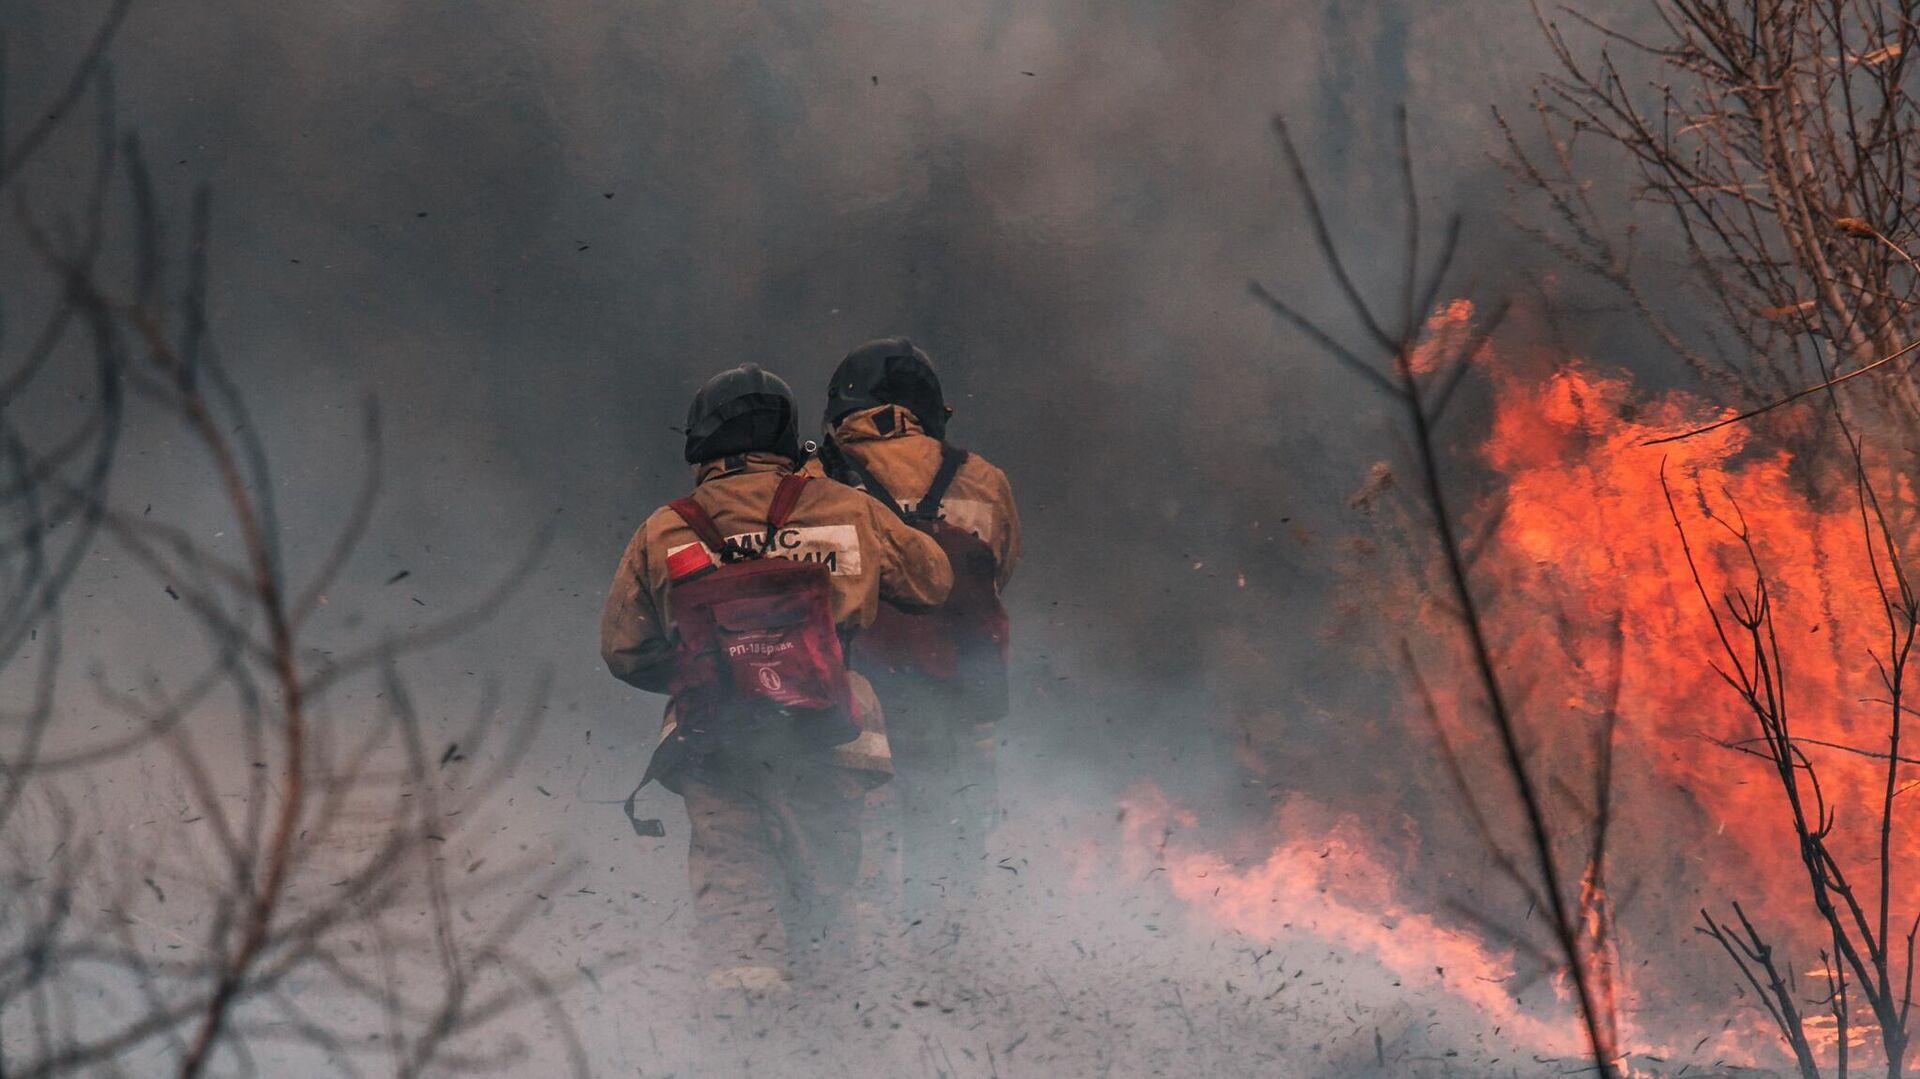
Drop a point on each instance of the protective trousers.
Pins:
(774, 847)
(944, 792)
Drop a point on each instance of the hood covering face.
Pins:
(890, 371)
(744, 410)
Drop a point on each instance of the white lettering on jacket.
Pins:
(837, 546)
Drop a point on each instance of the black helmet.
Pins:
(744, 410)
(890, 371)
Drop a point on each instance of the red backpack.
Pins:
(961, 644)
(756, 637)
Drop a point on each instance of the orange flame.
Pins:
(1327, 880)
(1587, 538)
(1584, 548)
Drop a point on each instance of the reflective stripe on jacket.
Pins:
(869, 552)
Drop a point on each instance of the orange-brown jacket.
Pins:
(890, 443)
(869, 552)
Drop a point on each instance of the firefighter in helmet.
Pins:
(736, 602)
(941, 675)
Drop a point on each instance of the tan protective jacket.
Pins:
(869, 552)
(890, 443)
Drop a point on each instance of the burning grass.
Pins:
(1580, 549)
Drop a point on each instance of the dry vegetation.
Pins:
(1779, 141)
(310, 915)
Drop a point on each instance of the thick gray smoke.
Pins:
(532, 229)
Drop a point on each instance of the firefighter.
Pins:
(773, 793)
(886, 423)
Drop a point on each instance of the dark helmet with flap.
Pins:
(743, 410)
(890, 371)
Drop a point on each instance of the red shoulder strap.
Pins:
(697, 519)
(785, 497)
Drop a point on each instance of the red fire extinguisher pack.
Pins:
(961, 644)
(757, 643)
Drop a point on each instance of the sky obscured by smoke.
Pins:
(532, 229)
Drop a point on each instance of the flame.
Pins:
(1328, 879)
(1447, 335)
(1587, 542)
(1580, 549)
(1586, 546)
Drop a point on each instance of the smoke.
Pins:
(532, 230)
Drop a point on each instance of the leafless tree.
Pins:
(1871, 956)
(37, 559)
(1773, 138)
(322, 921)
(1776, 142)
(1568, 885)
